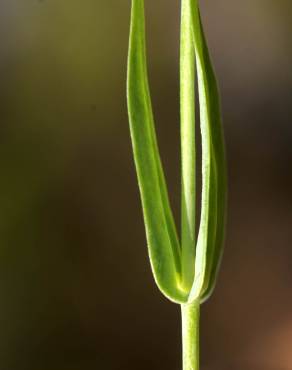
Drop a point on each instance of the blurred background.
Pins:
(76, 287)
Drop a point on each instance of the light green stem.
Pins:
(188, 151)
(190, 335)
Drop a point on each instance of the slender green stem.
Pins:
(188, 152)
(190, 312)
(190, 335)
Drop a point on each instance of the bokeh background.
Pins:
(76, 289)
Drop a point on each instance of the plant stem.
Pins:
(188, 150)
(190, 335)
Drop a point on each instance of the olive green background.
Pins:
(76, 291)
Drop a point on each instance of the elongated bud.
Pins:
(184, 271)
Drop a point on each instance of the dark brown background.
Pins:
(75, 283)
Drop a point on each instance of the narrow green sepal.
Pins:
(213, 208)
(163, 244)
